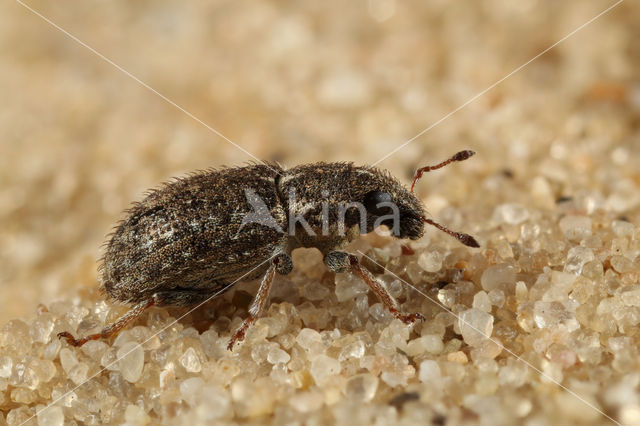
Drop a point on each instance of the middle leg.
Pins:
(282, 264)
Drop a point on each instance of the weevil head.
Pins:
(355, 198)
(388, 202)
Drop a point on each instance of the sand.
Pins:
(536, 327)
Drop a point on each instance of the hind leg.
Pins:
(176, 297)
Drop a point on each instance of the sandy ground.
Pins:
(553, 195)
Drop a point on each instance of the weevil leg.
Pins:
(175, 297)
(340, 261)
(112, 329)
(281, 264)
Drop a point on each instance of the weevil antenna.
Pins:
(460, 156)
(465, 239)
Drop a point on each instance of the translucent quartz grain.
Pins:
(498, 277)
(475, 326)
(542, 192)
(561, 285)
(348, 286)
(395, 335)
(23, 396)
(431, 261)
(622, 228)
(447, 297)
(361, 387)
(354, 350)
(323, 366)
(19, 416)
(277, 355)
(430, 343)
(28, 379)
(52, 349)
(393, 378)
(522, 292)
(190, 361)
(259, 351)
(68, 359)
(621, 264)
(430, 372)
(414, 271)
(275, 323)
(496, 297)
(43, 369)
(482, 302)
(310, 340)
(42, 327)
(489, 349)
(190, 389)
(630, 295)
(95, 349)
(458, 357)
(306, 402)
(316, 291)
(6, 364)
(575, 227)
(131, 361)
(209, 341)
(78, 373)
(576, 259)
(619, 246)
(313, 316)
(280, 374)
(510, 213)
(553, 314)
(134, 415)
(379, 312)
(51, 416)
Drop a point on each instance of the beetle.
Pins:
(194, 237)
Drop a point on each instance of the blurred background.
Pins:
(298, 82)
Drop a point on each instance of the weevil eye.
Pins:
(373, 198)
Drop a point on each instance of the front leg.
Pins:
(340, 261)
(281, 264)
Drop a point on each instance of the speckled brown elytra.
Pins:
(191, 238)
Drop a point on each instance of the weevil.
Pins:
(194, 237)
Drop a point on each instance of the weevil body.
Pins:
(194, 237)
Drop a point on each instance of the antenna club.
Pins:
(468, 240)
(465, 239)
(460, 156)
(463, 155)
